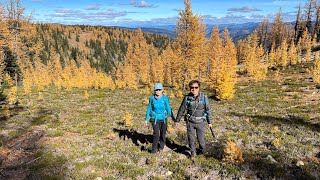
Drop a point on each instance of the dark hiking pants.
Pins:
(159, 135)
(199, 127)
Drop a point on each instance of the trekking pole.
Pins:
(212, 133)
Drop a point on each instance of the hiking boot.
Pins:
(153, 151)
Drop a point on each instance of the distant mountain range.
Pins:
(237, 31)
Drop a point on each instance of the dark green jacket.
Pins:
(197, 107)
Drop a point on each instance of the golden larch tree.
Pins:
(157, 66)
(55, 69)
(306, 44)
(227, 77)
(176, 63)
(167, 65)
(277, 30)
(12, 93)
(138, 57)
(215, 56)
(316, 72)
(293, 54)
(190, 43)
(284, 53)
(254, 59)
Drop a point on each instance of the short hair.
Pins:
(193, 82)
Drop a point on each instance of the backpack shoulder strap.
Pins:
(152, 98)
(203, 98)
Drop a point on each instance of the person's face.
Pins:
(158, 92)
(194, 88)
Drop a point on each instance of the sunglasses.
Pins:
(158, 90)
(194, 87)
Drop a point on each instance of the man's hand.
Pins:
(145, 123)
(210, 125)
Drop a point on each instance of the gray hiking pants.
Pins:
(199, 127)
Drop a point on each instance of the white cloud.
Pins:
(244, 9)
(142, 4)
(93, 7)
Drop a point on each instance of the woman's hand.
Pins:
(145, 123)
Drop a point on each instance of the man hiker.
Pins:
(198, 113)
(158, 110)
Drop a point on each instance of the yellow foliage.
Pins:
(130, 77)
(41, 74)
(9, 80)
(316, 56)
(215, 56)
(190, 45)
(104, 81)
(293, 54)
(306, 44)
(308, 70)
(276, 142)
(120, 84)
(284, 54)
(146, 100)
(171, 95)
(127, 119)
(274, 130)
(6, 111)
(27, 81)
(226, 86)
(253, 59)
(86, 95)
(2, 63)
(12, 94)
(233, 153)
(316, 72)
(137, 61)
(71, 76)
(145, 90)
(179, 94)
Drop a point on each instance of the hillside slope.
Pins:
(79, 135)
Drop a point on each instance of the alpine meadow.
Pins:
(73, 98)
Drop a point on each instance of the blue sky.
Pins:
(156, 12)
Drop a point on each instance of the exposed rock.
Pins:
(271, 160)
(169, 173)
(300, 163)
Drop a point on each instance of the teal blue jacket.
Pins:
(158, 110)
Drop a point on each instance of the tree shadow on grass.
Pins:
(290, 120)
(141, 140)
(7, 111)
(263, 168)
(21, 154)
(39, 119)
(215, 150)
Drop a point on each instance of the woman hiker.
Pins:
(157, 112)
